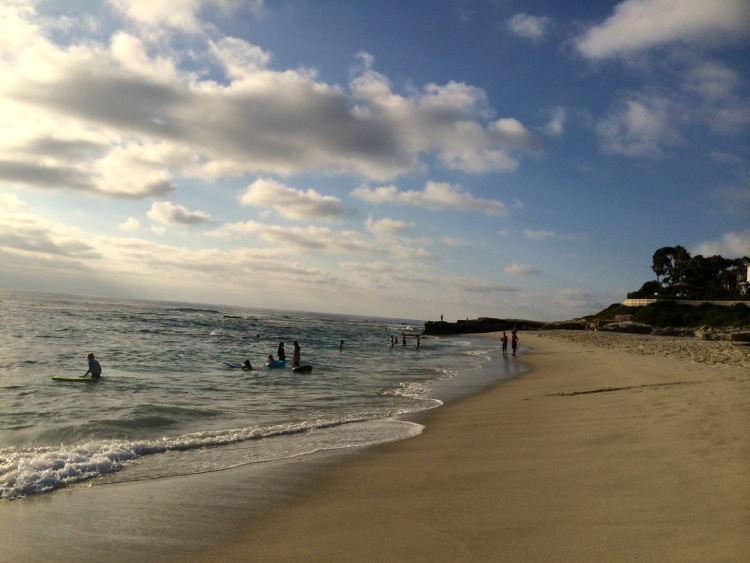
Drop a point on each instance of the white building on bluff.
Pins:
(743, 281)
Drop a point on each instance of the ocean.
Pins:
(168, 405)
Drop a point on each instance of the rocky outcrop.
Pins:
(673, 331)
(488, 324)
(481, 324)
(730, 334)
(573, 324)
(626, 326)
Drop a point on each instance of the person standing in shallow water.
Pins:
(296, 355)
(514, 342)
(504, 340)
(280, 352)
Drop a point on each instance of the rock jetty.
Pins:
(481, 324)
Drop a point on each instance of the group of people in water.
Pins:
(95, 369)
(281, 356)
(394, 339)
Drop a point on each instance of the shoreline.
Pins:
(609, 448)
(529, 470)
(257, 486)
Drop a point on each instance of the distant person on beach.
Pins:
(247, 366)
(403, 339)
(504, 340)
(296, 355)
(341, 345)
(514, 342)
(417, 342)
(280, 352)
(95, 369)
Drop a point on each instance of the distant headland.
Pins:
(691, 296)
(481, 324)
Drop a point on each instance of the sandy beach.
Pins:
(604, 452)
(611, 448)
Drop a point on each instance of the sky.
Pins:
(406, 159)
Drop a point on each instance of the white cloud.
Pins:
(521, 270)
(639, 126)
(122, 117)
(157, 270)
(571, 298)
(173, 214)
(721, 102)
(302, 241)
(10, 201)
(23, 233)
(291, 203)
(556, 124)
(436, 196)
(240, 58)
(387, 227)
(129, 171)
(642, 24)
(180, 15)
(452, 120)
(478, 286)
(538, 235)
(529, 27)
(712, 80)
(130, 225)
(453, 242)
(532, 234)
(732, 245)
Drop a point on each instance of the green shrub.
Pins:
(612, 311)
(663, 313)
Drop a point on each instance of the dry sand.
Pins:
(614, 448)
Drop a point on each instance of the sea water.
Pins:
(167, 404)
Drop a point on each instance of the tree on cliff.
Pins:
(679, 274)
(671, 263)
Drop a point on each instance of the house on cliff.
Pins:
(743, 280)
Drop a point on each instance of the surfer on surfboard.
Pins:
(95, 369)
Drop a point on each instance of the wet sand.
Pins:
(612, 448)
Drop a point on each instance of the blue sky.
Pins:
(502, 158)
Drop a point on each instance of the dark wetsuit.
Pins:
(95, 369)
